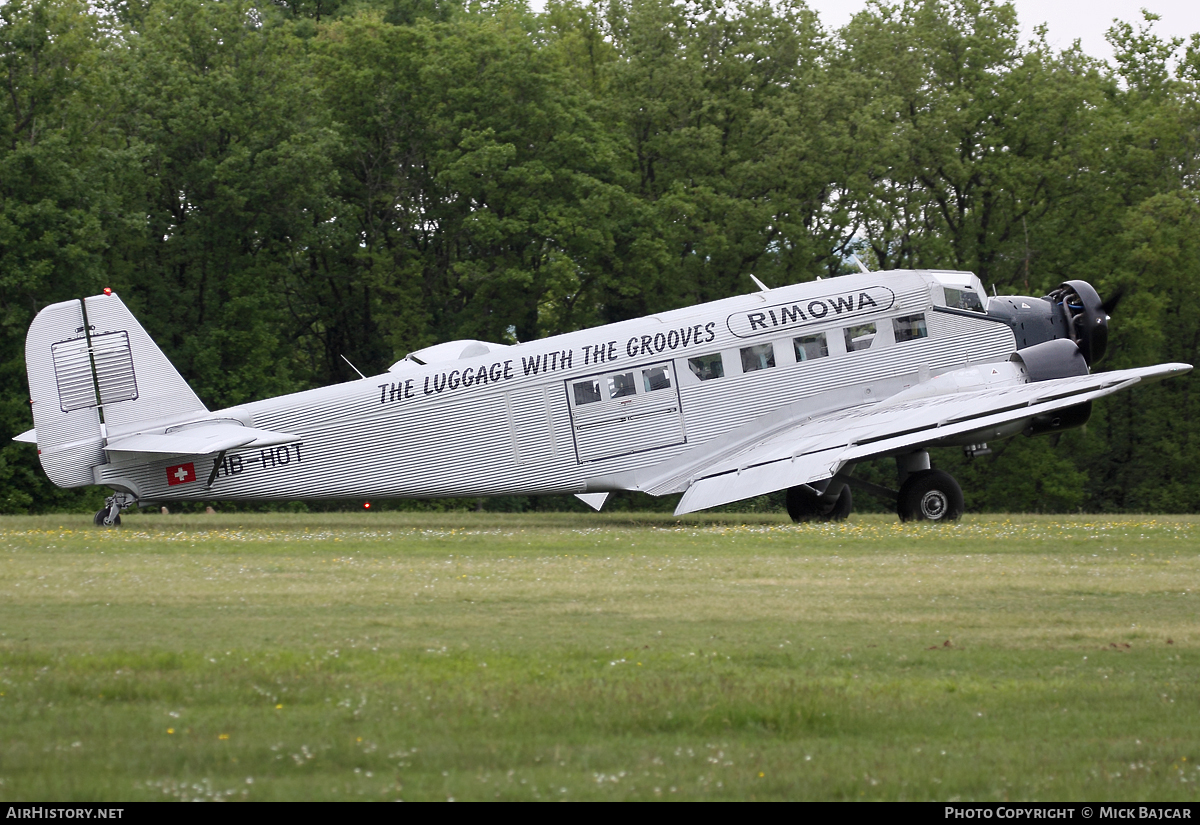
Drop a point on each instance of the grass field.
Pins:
(483, 656)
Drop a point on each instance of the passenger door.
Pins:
(625, 411)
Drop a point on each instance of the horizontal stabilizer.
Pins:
(29, 436)
(199, 439)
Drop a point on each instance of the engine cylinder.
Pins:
(1087, 320)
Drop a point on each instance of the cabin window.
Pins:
(859, 337)
(758, 357)
(621, 385)
(586, 392)
(707, 367)
(967, 299)
(809, 347)
(656, 378)
(910, 328)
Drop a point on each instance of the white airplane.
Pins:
(782, 389)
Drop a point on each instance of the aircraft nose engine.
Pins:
(1085, 316)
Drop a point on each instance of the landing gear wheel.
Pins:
(930, 495)
(805, 505)
(101, 515)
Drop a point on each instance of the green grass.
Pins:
(559, 656)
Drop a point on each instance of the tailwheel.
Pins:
(930, 495)
(101, 515)
(110, 516)
(805, 504)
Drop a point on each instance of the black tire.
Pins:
(930, 495)
(100, 516)
(805, 505)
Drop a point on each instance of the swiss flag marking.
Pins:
(181, 474)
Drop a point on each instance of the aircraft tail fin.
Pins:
(94, 373)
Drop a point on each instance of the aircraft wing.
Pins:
(815, 448)
(201, 439)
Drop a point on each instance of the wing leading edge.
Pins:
(815, 448)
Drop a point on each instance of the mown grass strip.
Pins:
(575, 657)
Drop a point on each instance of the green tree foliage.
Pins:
(726, 131)
(476, 179)
(56, 202)
(275, 185)
(235, 189)
(966, 138)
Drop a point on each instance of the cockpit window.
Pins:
(967, 299)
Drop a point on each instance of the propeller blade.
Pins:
(1110, 304)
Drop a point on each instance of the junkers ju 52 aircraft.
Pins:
(782, 389)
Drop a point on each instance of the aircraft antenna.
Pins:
(760, 284)
(347, 360)
(861, 267)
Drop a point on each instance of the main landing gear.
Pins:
(929, 495)
(925, 494)
(110, 515)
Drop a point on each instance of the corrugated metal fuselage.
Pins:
(571, 413)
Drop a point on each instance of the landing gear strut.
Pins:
(110, 515)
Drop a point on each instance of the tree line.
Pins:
(272, 186)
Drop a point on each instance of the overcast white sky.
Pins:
(1068, 20)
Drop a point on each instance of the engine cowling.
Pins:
(1085, 316)
(1073, 312)
(1048, 360)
